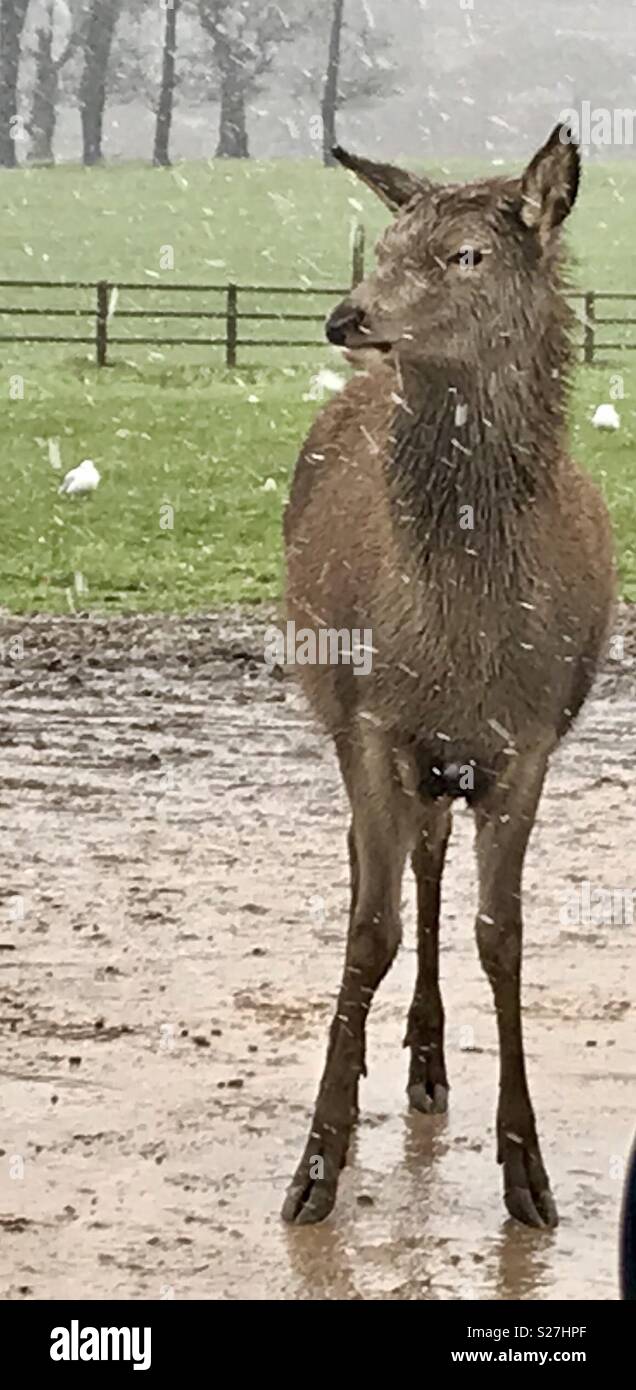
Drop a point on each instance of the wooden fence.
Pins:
(230, 314)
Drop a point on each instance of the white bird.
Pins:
(324, 380)
(606, 417)
(84, 478)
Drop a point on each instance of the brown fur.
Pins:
(485, 639)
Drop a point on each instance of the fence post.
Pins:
(590, 319)
(231, 334)
(101, 326)
(357, 256)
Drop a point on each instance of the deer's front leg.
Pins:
(370, 951)
(504, 821)
(381, 844)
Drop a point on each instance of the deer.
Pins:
(435, 504)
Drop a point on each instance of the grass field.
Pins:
(172, 428)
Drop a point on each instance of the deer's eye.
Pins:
(466, 257)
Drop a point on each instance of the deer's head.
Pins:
(463, 269)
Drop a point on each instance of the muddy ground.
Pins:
(173, 889)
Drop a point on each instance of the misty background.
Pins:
(85, 79)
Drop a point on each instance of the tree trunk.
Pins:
(44, 100)
(233, 141)
(102, 20)
(329, 105)
(165, 104)
(12, 17)
(46, 89)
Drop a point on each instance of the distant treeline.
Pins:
(83, 52)
(424, 77)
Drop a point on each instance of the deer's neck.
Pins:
(471, 452)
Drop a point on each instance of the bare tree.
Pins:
(98, 37)
(330, 93)
(246, 35)
(166, 92)
(360, 68)
(13, 14)
(231, 54)
(56, 40)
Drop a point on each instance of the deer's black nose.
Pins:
(347, 318)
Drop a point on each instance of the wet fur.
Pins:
(486, 639)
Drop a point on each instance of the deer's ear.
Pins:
(394, 186)
(550, 183)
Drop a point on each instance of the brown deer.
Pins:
(435, 504)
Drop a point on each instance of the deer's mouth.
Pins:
(350, 327)
(363, 342)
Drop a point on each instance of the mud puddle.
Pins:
(173, 891)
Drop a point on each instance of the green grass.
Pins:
(247, 221)
(173, 428)
(197, 441)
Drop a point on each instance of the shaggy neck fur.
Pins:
(477, 438)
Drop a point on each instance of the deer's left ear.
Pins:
(550, 183)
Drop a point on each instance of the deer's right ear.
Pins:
(394, 186)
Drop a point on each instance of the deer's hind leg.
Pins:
(382, 833)
(428, 1083)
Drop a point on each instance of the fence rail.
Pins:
(104, 312)
(105, 315)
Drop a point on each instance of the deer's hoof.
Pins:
(539, 1210)
(312, 1192)
(420, 1098)
(526, 1187)
(308, 1202)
